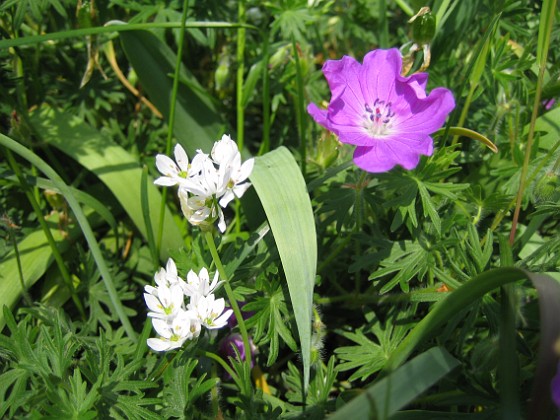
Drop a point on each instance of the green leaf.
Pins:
(197, 120)
(395, 391)
(471, 292)
(114, 166)
(82, 221)
(281, 188)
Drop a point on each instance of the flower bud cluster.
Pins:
(175, 320)
(208, 183)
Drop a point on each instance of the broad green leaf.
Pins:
(197, 120)
(395, 391)
(35, 257)
(281, 188)
(114, 166)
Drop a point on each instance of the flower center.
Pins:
(377, 118)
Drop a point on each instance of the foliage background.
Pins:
(389, 246)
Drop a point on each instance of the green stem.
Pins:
(12, 237)
(229, 291)
(265, 145)
(240, 74)
(222, 363)
(116, 26)
(464, 112)
(171, 121)
(383, 25)
(536, 104)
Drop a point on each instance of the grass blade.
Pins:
(197, 122)
(116, 168)
(84, 225)
(281, 188)
(395, 391)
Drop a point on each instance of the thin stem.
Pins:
(229, 291)
(383, 25)
(530, 138)
(464, 112)
(171, 121)
(240, 74)
(265, 145)
(223, 364)
(11, 227)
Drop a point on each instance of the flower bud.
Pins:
(423, 26)
(232, 344)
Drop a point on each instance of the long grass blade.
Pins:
(82, 221)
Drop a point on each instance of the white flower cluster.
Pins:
(208, 183)
(176, 322)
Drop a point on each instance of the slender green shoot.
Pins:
(171, 121)
(545, 29)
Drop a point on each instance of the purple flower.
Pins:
(555, 388)
(387, 116)
(229, 344)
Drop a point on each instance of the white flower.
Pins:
(185, 326)
(210, 311)
(201, 211)
(236, 174)
(200, 284)
(164, 302)
(173, 173)
(232, 174)
(168, 276)
(206, 182)
(224, 150)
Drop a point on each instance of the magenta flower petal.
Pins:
(388, 116)
(555, 388)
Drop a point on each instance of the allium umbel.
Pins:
(208, 183)
(175, 320)
(387, 116)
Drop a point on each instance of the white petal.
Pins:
(181, 158)
(153, 303)
(166, 166)
(171, 269)
(240, 189)
(246, 170)
(158, 344)
(150, 290)
(221, 321)
(162, 327)
(226, 198)
(165, 181)
(218, 305)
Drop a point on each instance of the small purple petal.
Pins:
(555, 388)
